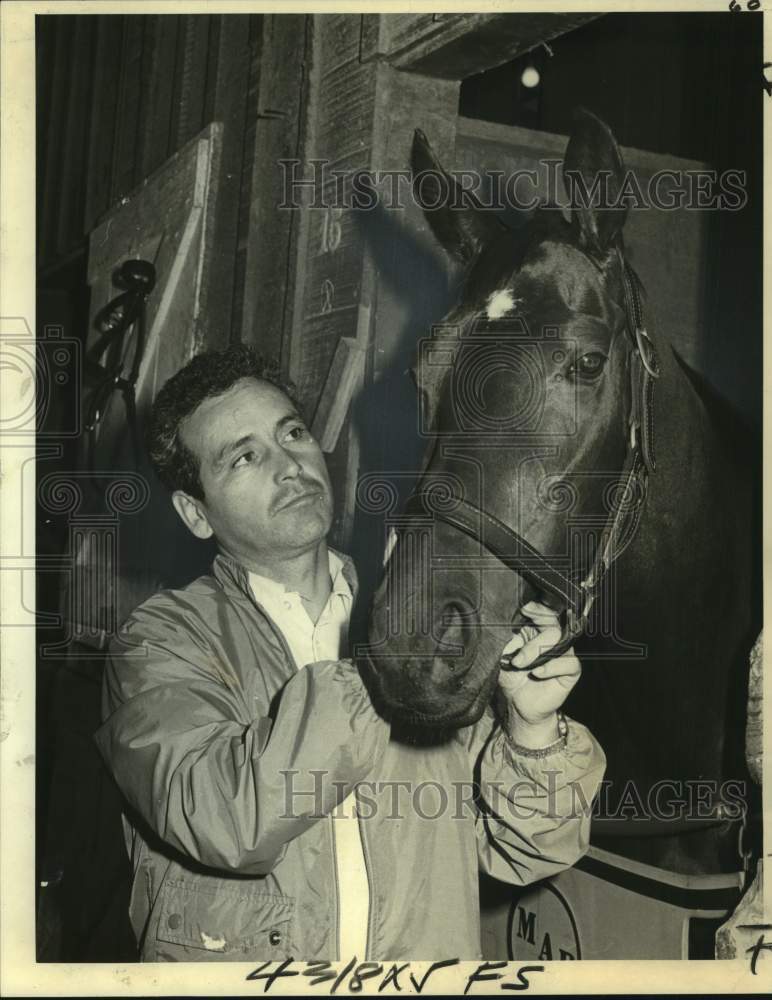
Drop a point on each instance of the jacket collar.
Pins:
(232, 576)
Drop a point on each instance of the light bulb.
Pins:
(530, 77)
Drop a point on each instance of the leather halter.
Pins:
(515, 552)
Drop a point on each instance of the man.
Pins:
(270, 814)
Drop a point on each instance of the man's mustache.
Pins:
(302, 488)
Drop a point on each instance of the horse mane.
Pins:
(728, 421)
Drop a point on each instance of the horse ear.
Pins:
(455, 216)
(593, 163)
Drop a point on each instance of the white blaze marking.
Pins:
(500, 303)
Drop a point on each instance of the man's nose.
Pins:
(289, 467)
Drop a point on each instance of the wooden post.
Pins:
(276, 133)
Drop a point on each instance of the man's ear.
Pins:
(193, 514)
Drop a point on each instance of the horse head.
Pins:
(530, 385)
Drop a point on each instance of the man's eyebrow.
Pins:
(228, 448)
(288, 419)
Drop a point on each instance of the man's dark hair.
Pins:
(209, 374)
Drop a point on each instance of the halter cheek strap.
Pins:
(515, 552)
(644, 371)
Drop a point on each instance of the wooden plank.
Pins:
(128, 110)
(403, 34)
(229, 87)
(240, 325)
(275, 131)
(471, 130)
(299, 226)
(103, 121)
(343, 112)
(128, 223)
(342, 382)
(371, 36)
(453, 46)
(161, 49)
(211, 68)
(190, 85)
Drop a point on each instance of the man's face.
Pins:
(266, 488)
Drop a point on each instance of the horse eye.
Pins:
(589, 365)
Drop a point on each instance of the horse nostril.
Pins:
(456, 620)
(454, 636)
(454, 616)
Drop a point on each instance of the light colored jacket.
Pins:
(231, 762)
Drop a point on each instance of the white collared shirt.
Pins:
(309, 642)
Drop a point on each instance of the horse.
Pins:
(576, 458)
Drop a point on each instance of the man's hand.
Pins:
(528, 699)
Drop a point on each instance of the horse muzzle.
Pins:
(426, 680)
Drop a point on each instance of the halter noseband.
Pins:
(516, 553)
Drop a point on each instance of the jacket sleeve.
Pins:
(229, 791)
(532, 815)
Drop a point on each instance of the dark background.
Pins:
(117, 95)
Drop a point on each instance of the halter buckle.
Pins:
(588, 599)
